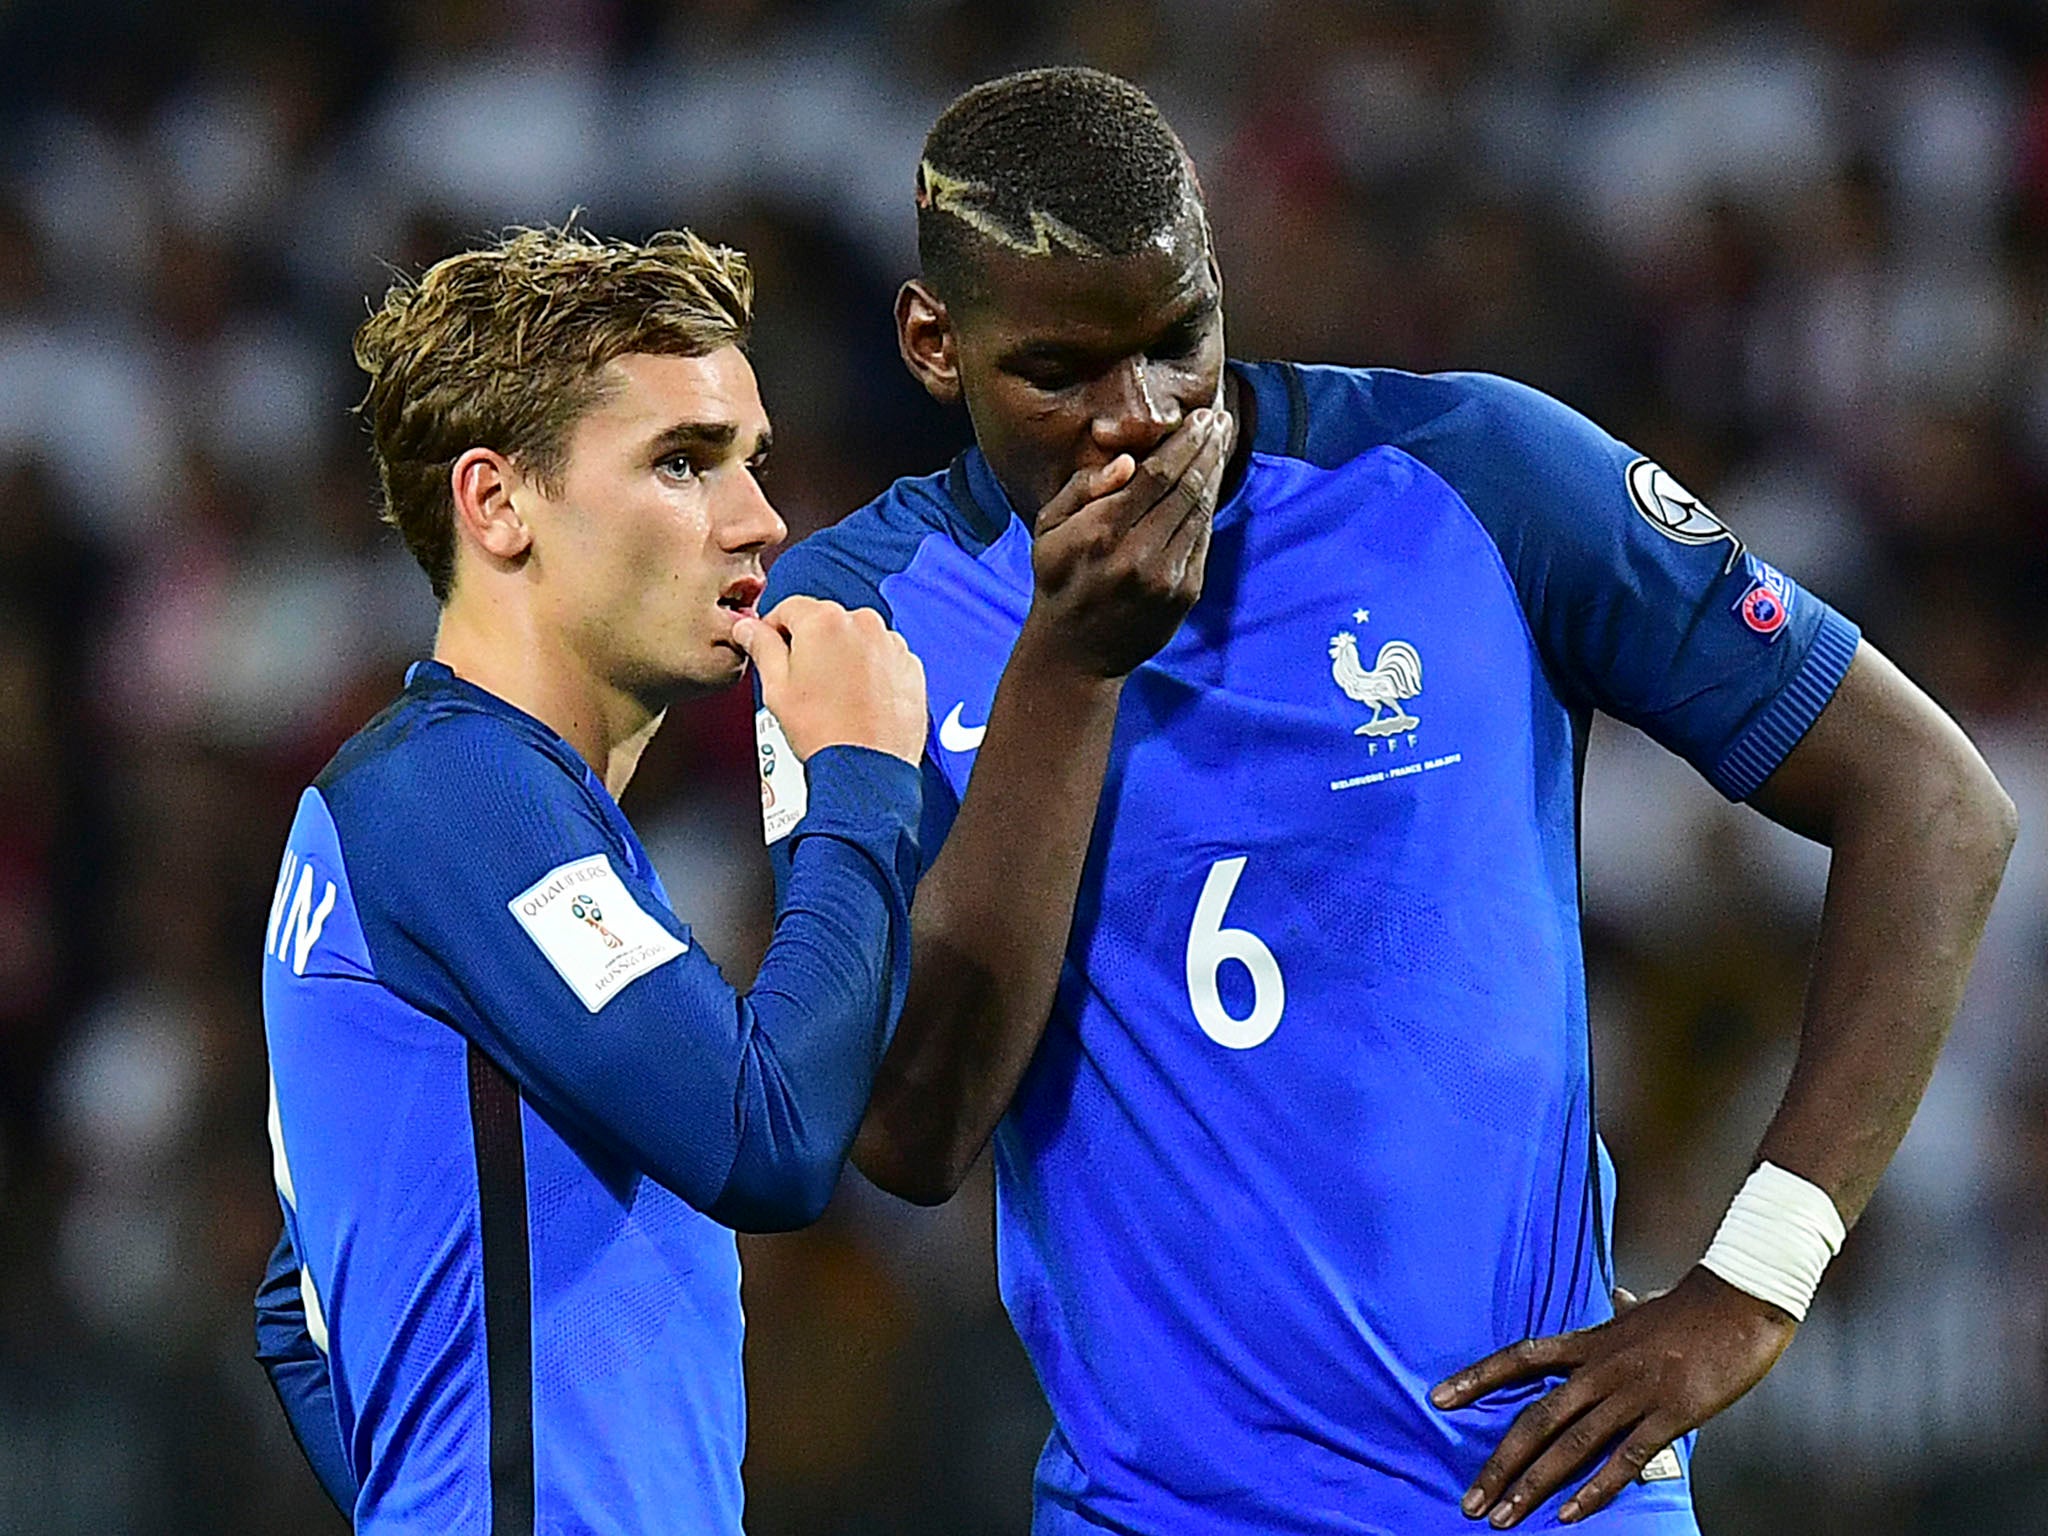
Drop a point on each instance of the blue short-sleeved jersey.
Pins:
(516, 1110)
(1312, 1123)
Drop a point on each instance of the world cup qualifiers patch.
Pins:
(591, 929)
(785, 790)
(1767, 602)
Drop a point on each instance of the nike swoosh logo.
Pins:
(955, 737)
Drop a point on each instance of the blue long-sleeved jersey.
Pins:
(516, 1112)
(1312, 1123)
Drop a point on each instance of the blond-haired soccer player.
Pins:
(516, 1111)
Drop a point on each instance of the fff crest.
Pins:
(1394, 677)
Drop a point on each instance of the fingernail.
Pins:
(1569, 1511)
(1200, 419)
(1502, 1517)
(1441, 1394)
(1473, 1502)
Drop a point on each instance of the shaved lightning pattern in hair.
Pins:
(1063, 161)
(968, 201)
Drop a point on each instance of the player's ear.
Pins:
(925, 338)
(487, 513)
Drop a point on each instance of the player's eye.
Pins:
(680, 466)
(1180, 342)
(1049, 376)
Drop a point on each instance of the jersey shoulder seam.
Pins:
(355, 767)
(836, 550)
(1309, 387)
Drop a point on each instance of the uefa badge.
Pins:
(1767, 603)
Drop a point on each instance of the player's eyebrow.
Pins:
(1065, 354)
(1043, 352)
(1183, 326)
(712, 438)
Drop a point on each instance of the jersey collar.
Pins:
(429, 677)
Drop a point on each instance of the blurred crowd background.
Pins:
(1797, 252)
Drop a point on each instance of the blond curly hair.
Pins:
(505, 348)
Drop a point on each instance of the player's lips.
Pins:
(739, 598)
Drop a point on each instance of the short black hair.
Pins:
(1066, 159)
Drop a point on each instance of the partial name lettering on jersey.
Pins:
(313, 928)
(785, 788)
(595, 935)
(299, 909)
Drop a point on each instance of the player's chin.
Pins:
(716, 666)
(728, 664)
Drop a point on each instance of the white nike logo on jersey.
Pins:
(955, 737)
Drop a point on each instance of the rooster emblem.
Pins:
(1395, 676)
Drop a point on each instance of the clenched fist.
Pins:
(837, 678)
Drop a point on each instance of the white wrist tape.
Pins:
(1778, 1235)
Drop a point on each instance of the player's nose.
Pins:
(1132, 413)
(749, 520)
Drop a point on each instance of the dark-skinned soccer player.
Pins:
(1249, 923)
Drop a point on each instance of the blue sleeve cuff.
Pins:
(869, 798)
(299, 1374)
(1756, 753)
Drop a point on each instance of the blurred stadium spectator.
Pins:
(1797, 251)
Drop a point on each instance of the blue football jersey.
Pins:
(516, 1112)
(1312, 1123)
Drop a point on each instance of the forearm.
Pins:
(299, 1374)
(819, 1016)
(1920, 832)
(1914, 870)
(990, 925)
(741, 1105)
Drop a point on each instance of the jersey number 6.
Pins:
(1209, 945)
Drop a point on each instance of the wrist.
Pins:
(1776, 1240)
(1753, 1312)
(1044, 654)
